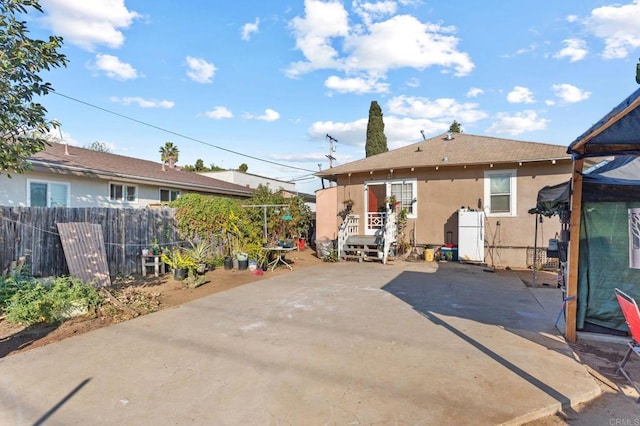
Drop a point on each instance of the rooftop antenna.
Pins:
(423, 136)
(332, 149)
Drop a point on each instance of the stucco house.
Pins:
(69, 176)
(434, 180)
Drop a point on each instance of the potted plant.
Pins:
(180, 262)
(392, 201)
(155, 247)
(199, 252)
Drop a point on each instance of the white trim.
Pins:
(387, 183)
(124, 196)
(170, 191)
(513, 195)
(48, 183)
(414, 193)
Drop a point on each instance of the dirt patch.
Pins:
(142, 295)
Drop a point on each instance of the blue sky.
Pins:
(270, 79)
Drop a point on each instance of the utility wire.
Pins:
(179, 134)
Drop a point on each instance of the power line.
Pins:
(144, 123)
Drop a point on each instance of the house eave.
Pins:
(334, 176)
(105, 175)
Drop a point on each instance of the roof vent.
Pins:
(449, 136)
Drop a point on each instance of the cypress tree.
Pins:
(376, 140)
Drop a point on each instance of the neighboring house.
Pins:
(69, 176)
(434, 179)
(254, 181)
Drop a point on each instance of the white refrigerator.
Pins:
(471, 235)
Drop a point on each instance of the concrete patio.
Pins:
(346, 343)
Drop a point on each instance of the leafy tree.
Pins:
(98, 146)
(169, 153)
(200, 167)
(243, 168)
(376, 140)
(455, 127)
(22, 120)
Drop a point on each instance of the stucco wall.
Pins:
(83, 192)
(327, 213)
(441, 193)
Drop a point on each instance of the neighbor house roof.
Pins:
(458, 150)
(71, 160)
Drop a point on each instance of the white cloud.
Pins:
(442, 109)
(399, 131)
(250, 28)
(520, 95)
(200, 70)
(57, 135)
(143, 103)
(219, 112)
(405, 118)
(474, 92)
(327, 41)
(89, 23)
(269, 115)
(574, 49)
(618, 26)
(413, 82)
(403, 41)
(313, 33)
(356, 85)
(525, 121)
(351, 133)
(114, 68)
(370, 12)
(572, 18)
(569, 93)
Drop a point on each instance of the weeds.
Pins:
(34, 302)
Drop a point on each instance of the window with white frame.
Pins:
(500, 192)
(405, 193)
(168, 195)
(47, 194)
(120, 192)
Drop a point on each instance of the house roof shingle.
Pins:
(461, 149)
(82, 161)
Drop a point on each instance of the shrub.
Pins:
(35, 302)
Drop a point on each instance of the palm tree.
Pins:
(169, 153)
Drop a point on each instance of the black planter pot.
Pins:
(264, 266)
(179, 274)
(243, 264)
(228, 263)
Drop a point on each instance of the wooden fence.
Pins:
(32, 232)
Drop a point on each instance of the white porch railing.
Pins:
(375, 222)
(348, 227)
(387, 228)
(390, 234)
